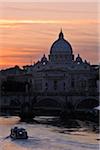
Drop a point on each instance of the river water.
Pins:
(45, 137)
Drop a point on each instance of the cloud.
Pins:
(15, 23)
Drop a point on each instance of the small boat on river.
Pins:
(18, 133)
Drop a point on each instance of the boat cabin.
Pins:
(18, 133)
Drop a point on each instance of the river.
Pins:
(45, 137)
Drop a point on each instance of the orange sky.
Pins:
(29, 29)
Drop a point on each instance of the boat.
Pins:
(18, 133)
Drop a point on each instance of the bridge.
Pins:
(34, 104)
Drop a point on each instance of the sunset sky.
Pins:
(28, 29)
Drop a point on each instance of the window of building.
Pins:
(55, 85)
(83, 83)
(64, 85)
(44, 63)
(73, 83)
(92, 83)
(46, 86)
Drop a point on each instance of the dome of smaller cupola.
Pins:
(79, 59)
(61, 45)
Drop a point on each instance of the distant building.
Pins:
(12, 71)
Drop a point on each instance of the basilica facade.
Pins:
(61, 72)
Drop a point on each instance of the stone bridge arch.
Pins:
(87, 103)
(48, 105)
(49, 102)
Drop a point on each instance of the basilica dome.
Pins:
(61, 51)
(61, 45)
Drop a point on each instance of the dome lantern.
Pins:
(61, 35)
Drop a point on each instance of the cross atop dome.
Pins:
(61, 35)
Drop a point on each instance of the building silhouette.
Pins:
(61, 72)
(57, 81)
